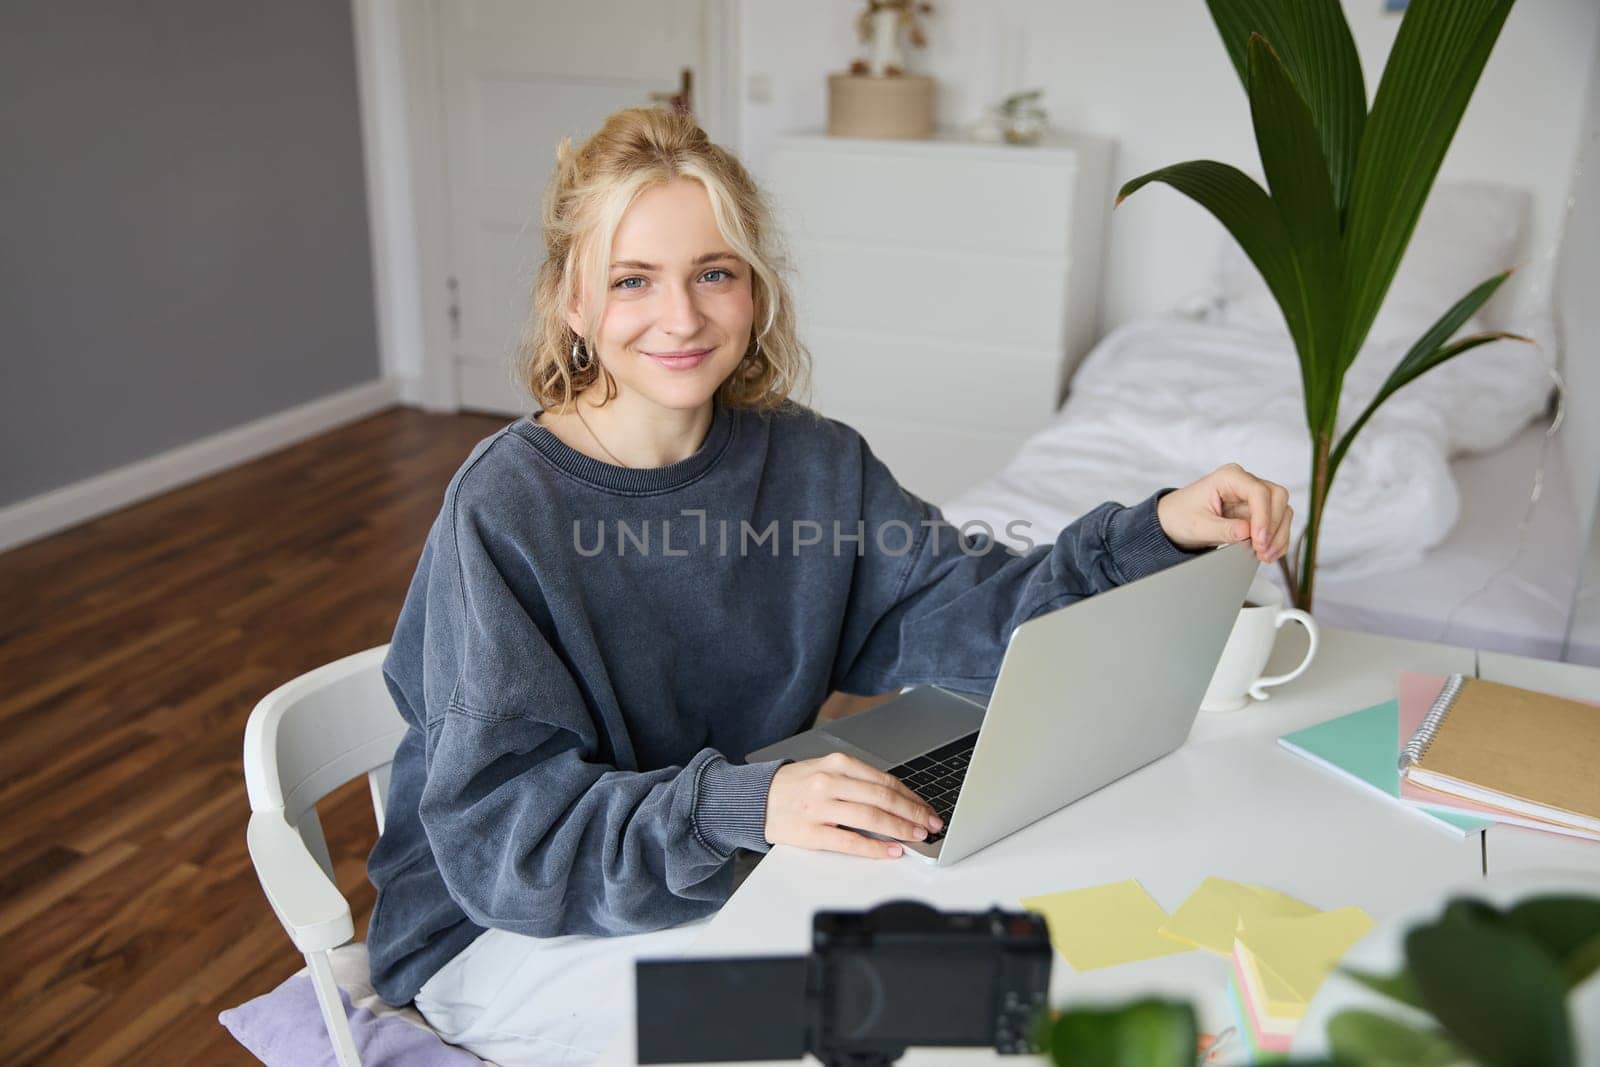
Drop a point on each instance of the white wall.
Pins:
(1578, 314)
(391, 198)
(1577, 282)
(1153, 75)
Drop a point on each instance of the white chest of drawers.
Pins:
(946, 289)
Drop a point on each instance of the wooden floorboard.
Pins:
(132, 649)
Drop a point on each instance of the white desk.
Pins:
(1230, 802)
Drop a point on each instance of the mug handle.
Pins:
(1259, 689)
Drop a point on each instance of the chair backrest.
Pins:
(305, 739)
(317, 732)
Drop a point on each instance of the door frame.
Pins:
(408, 208)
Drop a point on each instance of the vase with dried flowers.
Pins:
(880, 26)
(878, 97)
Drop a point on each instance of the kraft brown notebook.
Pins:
(1511, 748)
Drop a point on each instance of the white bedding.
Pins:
(1160, 402)
(1503, 579)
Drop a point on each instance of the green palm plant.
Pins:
(1346, 189)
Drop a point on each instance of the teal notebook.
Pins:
(1364, 747)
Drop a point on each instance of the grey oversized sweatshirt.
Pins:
(587, 651)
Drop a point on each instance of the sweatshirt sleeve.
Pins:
(931, 606)
(532, 829)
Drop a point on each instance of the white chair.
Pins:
(305, 739)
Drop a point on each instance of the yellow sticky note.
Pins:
(1213, 912)
(1271, 1000)
(1104, 924)
(1301, 951)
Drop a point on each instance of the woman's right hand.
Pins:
(811, 802)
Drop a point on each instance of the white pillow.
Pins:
(1468, 232)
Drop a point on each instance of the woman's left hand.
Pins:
(1229, 504)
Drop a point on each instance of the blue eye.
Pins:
(622, 283)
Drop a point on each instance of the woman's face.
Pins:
(678, 305)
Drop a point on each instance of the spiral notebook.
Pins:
(1511, 748)
(1418, 691)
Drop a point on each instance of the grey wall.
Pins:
(183, 229)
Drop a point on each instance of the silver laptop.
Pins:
(1086, 694)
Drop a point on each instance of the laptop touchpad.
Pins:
(910, 724)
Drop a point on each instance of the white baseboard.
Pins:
(408, 388)
(58, 509)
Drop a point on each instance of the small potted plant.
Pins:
(1022, 120)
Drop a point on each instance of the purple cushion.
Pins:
(284, 1028)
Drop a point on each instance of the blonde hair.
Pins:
(588, 194)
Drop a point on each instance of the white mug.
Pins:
(1238, 675)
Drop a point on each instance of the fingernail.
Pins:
(894, 850)
(921, 833)
(935, 822)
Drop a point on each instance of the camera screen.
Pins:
(914, 996)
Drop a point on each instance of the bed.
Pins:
(1505, 575)
(1432, 530)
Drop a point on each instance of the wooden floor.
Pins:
(131, 652)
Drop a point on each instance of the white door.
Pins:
(516, 77)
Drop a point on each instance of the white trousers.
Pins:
(515, 1000)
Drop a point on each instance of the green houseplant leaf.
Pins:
(1347, 187)
(1247, 213)
(1582, 962)
(1439, 52)
(1472, 910)
(1568, 928)
(1313, 40)
(1397, 986)
(1430, 350)
(1297, 176)
(1362, 1037)
(1494, 988)
(1146, 1033)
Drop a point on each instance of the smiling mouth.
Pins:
(687, 353)
(682, 360)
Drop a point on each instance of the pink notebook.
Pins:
(1417, 694)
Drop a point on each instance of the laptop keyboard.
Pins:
(937, 776)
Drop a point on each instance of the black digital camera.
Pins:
(875, 983)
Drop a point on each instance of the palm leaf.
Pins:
(1433, 359)
(1313, 40)
(1347, 187)
(1297, 174)
(1438, 55)
(1430, 350)
(1248, 214)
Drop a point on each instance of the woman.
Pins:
(668, 565)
